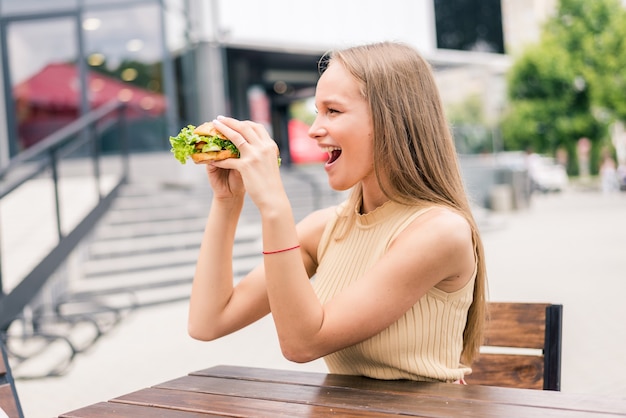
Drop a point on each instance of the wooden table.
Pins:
(254, 392)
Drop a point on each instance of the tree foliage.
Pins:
(572, 83)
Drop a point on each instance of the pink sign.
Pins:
(303, 148)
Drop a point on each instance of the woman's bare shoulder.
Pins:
(446, 236)
(444, 225)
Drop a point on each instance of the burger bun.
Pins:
(208, 129)
(207, 157)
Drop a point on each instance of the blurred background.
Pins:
(100, 226)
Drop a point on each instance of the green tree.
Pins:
(570, 85)
(594, 34)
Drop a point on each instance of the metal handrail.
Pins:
(45, 155)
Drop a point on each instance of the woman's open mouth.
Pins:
(333, 154)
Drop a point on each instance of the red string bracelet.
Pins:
(281, 251)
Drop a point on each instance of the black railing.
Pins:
(84, 132)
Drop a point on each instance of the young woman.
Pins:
(399, 286)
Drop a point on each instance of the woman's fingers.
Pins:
(242, 133)
(229, 127)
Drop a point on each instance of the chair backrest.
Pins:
(522, 347)
(9, 402)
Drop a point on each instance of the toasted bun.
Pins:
(206, 157)
(207, 129)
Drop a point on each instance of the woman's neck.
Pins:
(372, 198)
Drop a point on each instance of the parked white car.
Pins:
(546, 175)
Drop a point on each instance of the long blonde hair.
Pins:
(416, 160)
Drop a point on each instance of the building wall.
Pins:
(522, 21)
(317, 24)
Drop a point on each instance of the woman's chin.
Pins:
(339, 184)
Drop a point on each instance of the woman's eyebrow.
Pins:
(331, 101)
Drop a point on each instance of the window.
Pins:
(469, 25)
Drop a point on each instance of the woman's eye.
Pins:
(333, 111)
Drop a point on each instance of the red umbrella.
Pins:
(57, 87)
(51, 98)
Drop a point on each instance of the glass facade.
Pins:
(63, 58)
(45, 96)
(125, 58)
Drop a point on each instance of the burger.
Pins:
(202, 144)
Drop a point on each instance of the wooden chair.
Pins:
(9, 402)
(522, 347)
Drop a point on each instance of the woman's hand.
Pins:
(257, 164)
(226, 183)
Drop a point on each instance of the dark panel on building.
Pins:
(469, 25)
(283, 75)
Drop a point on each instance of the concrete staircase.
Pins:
(143, 252)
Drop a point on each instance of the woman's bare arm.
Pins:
(218, 308)
(435, 250)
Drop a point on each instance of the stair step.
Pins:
(155, 214)
(160, 242)
(106, 231)
(147, 244)
(152, 275)
(146, 261)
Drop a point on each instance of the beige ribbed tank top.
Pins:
(427, 341)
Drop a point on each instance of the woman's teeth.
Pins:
(330, 149)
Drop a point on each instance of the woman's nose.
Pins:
(316, 131)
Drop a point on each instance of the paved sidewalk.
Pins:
(566, 248)
(569, 249)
